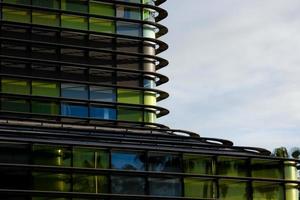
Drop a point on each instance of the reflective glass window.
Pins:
(127, 114)
(164, 162)
(98, 93)
(199, 188)
(128, 12)
(45, 107)
(98, 112)
(130, 96)
(74, 22)
(90, 158)
(89, 183)
(130, 29)
(150, 116)
(102, 25)
(46, 3)
(14, 153)
(74, 110)
(75, 5)
(43, 88)
(124, 185)
(99, 8)
(51, 181)
(149, 83)
(45, 18)
(267, 190)
(128, 160)
(14, 105)
(51, 155)
(198, 164)
(233, 190)
(150, 98)
(230, 166)
(74, 91)
(165, 187)
(16, 14)
(15, 86)
(149, 31)
(267, 168)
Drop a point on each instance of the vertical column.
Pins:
(290, 172)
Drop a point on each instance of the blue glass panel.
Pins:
(165, 186)
(149, 83)
(74, 91)
(131, 29)
(103, 113)
(102, 94)
(74, 110)
(128, 185)
(128, 160)
(164, 162)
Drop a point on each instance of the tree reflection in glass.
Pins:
(128, 160)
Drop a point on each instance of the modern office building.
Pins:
(79, 108)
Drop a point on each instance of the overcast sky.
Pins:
(234, 70)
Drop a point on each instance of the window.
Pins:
(266, 168)
(267, 190)
(89, 183)
(123, 185)
(198, 164)
(150, 98)
(15, 86)
(74, 110)
(150, 116)
(128, 160)
(102, 25)
(74, 5)
(149, 31)
(149, 83)
(14, 105)
(233, 190)
(98, 93)
(51, 182)
(9, 176)
(127, 28)
(99, 8)
(165, 186)
(45, 107)
(46, 3)
(74, 91)
(103, 113)
(90, 158)
(51, 155)
(164, 162)
(130, 96)
(128, 79)
(128, 12)
(14, 153)
(45, 18)
(127, 114)
(17, 1)
(74, 22)
(230, 166)
(16, 14)
(199, 188)
(42, 88)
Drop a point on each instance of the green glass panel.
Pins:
(46, 3)
(15, 86)
(98, 8)
(198, 164)
(75, 22)
(102, 25)
(90, 183)
(130, 96)
(42, 88)
(45, 18)
(51, 155)
(149, 117)
(267, 168)
(74, 5)
(130, 115)
(150, 98)
(90, 158)
(16, 14)
(17, 1)
(233, 190)
(41, 107)
(267, 191)
(15, 105)
(199, 188)
(230, 166)
(51, 182)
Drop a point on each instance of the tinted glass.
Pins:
(14, 153)
(15, 86)
(44, 107)
(14, 105)
(130, 115)
(74, 110)
(131, 29)
(165, 186)
(124, 185)
(267, 190)
(197, 164)
(128, 160)
(199, 188)
(98, 93)
(51, 182)
(230, 166)
(164, 162)
(45, 88)
(128, 12)
(89, 183)
(267, 168)
(74, 91)
(103, 113)
(90, 158)
(51, 155)
(233, 190)
(130, 96)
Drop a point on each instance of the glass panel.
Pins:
(44, 107)
(150, 98)
(45, 18)
(128, 79)
(128, 12)
(124, 185)
(42, 88)
(267, 191)
(16, 14)
(14, 153)
(149, 83)
(74, 91)
(198, 164)
(74, 110)
(51, 182)
(89, 183)
(229, 166)
(75, 22)
(10, 175)
(199, 188)
(98, 8)
(130, 115)
(233, 190)
(163, 162)
(165, 186)
(90, 158)
(267, 168)
(98, 93)
(74, 5)
(127, 28)
(46, 3)
(15, 105)
(128, 160)
(51, 155)
(130, 96)
(103, 113)
(15, 86)
(102, 25)
(149, 116)
(17, 1)
(132, 1)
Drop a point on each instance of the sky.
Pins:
(234, 70)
